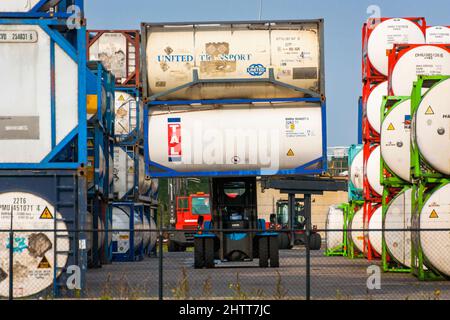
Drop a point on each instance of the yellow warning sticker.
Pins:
(121, 98)
(44, 264)
(90, 143)
(434, 214)
(290, 153)
(391, 127)
(46, 214)
(429, 111)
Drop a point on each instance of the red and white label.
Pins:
(174, 139)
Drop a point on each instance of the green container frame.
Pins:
(354, 194)
(353, 253)
(340, 250)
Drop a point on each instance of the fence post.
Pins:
(307, 198)
(11, 265)
(161, 260)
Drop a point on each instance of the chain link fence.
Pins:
(366, 265)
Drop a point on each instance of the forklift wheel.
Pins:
(264, 252)
(283, 241)
(172, 246)
(274, 252)
(315, 241)
(199, 261)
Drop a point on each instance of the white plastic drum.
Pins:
(385, 35)
(335, 221)
(26, 101)
(17, 5)
(121, 221)
(262, 137)
(373, 105)
(425, 60)
(375, 237)
(357, 170)
(435, 214)
(438, 35)
(357, 227)
(396, 140)
(373, 171)
(431, 126)
(33, 251)
(398, 217)
(126, 113)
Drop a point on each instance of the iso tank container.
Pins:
(430, 132)
(373, 94)
(438, 35)
(356, 231)
(395, 141)
(40, 8)
(335, 226)
(129, 116)
(407, 62)
(244, 139)
(356, 172)
(50, 207)
(235, 60)
(43, 109)
(380, 35)
(373, 189)
(119, 51)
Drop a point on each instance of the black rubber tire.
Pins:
(263, 252)
(274, 254)
(181, 248)
(283, 241)
(172, 246)
(199, 253)
(315, 241)
(209, 253)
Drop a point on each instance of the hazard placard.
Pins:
(121, 98)
(46, 214)
(290, 153)
(44, 264)
(429, 111)
(391, 127)
(434, 215)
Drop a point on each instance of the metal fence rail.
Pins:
(388, 268)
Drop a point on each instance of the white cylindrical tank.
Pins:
(398, 217)
(124, 172)
(373, 170)
(396, 139)
(438, 35)
(375, 234)
(335, 221)
(429, 60)
(111, 174)
(239, 51)
(26, 81)
(356, 225)
(145, 182)
(91, 230)
(33, 251)
(373, 105)
(121, 221)
(126, 114)
(149, 236)
(264, 137)
(18, 5)
(435, 214)
(357, 170)
(387, 33)
(431, 130)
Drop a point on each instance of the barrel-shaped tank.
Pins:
(438, 35)
(149, 236)
(125, 231)
(356, 230)
(289, 53)
(373, 169)
(373, 104)
(356, 170)
(335, 221)
(128, 115)
(267, 138)
(375, 233)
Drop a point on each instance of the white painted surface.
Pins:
(373, 171)
(375, 223)
(335, 221)
(373, 107)
(438, 35)
(121, 221)
(357, 170)
(357, 227)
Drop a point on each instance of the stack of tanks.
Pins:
(44, 165)
(133, 201)
(405, 151)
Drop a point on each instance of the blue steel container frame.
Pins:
(132, 254)
(66, 191)
(135, 136)
(302, 170)
(133, 152)
(76, 49)
(41, 10)
(354, 194)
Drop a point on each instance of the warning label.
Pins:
(121, 98)
(290, 153)
(46, 214)
(429, 111)
(44, 264)
(391, 127)
(434, 215)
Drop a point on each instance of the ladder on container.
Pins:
(131, 63)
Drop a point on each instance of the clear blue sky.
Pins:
(343, 21)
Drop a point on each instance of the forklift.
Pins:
(234, 233)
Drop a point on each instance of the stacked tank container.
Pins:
(380, 35)
(43, 130)
(134, 198)
(100, 115)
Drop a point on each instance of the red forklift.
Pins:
(188, 210)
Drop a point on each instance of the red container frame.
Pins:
(369, 209)
(369, 73)
(368, 193)
(134, 39)
(399, 51)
